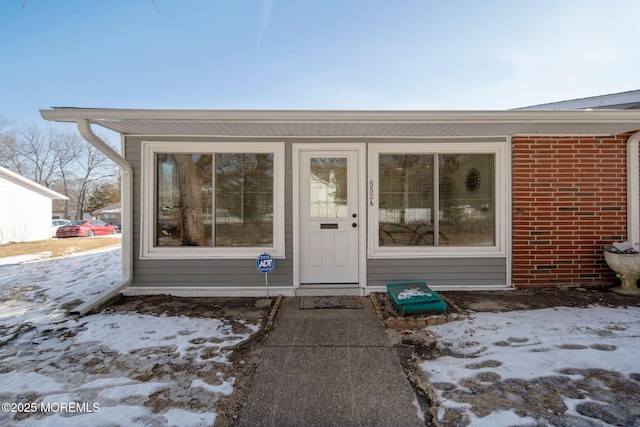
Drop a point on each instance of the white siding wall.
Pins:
(24, 215)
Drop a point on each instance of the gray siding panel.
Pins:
(448, 272)
(204, 272)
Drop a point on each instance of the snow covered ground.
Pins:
(556, 366)
(109, 368)
(559, 366)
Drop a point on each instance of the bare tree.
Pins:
(58, 160)
(92, 166)
(38, 155)
(71, 149)
(7, 143)
(191, 198)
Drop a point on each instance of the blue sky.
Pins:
(312, 54)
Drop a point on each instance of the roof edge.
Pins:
(27, 183)
(97, 115)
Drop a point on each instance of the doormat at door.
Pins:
(330, 302)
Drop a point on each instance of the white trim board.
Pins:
(148, 200)
(210, 291)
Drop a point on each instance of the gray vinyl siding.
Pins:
(243, 273)
(205, 272)
(445, 272)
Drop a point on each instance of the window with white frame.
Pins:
(204, 200)
(432, 199)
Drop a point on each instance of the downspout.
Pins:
(84, 127)
(633, 191)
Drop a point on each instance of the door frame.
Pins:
(361, 151)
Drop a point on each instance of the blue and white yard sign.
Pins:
(265, 263)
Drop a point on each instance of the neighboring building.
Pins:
(25, 208)
(111, 214)
(629, 100)
(71, 215)
(348, 201)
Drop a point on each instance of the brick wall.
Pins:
(569, 201)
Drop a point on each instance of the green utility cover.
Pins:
(415, 298)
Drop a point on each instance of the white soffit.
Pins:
(371, 124)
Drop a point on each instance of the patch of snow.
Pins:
(419, 410)
(19, 259)
(501, 418)
(100, 359)
(138, 389)
(181, 418)
(61, 397)
(226, 388)
(107, 382)
(525, 344)
(26, 382)
(409, 293)
(180, 334)
(532, 344)
(572, 404)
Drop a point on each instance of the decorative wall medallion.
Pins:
(472, 181)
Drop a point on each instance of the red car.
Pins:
(87, 227)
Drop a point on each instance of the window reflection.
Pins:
(466, 200)
(183, 214)
(406, 200)
(244, 199)
(241, 214)
(328, 195)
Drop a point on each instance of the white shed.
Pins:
(25, 208)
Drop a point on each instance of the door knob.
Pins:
(354, 225)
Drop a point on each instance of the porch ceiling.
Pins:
(370, 124)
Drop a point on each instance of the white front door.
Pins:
(329, 217)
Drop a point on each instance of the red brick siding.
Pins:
(569, 201)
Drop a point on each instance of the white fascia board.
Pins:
(96, 115)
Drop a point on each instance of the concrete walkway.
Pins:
(329, 367)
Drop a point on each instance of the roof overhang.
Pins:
(369, 124)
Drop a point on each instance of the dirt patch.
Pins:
(603, 396)
(532, 299)
(461, 302)
(55, 248)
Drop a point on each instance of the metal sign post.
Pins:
(265, 263)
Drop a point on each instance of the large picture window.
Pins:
(213, 200)
(434, 199)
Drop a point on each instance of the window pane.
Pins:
(244, 200)
(406, 200)
(328, 195)
(183, 209)
(467, 200)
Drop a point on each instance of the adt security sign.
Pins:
(265, 263)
